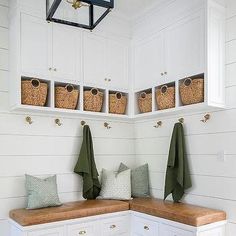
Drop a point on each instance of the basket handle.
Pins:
(164, 89)
(119, 95)
(94, 91)
(143, 95)
(35, 83)
(188, 82)
(70, 88)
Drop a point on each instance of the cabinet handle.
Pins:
(162, 74)
(55, 69)
(165, 73)
(146, 227)
(109, 80)
(112, 226)
(82, 232)
(105, 79)
(50, 68)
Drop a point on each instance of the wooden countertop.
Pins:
(179, 212)
(67, 211)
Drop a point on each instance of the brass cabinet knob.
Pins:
(55, 69)
(165, 73)
(162, 74)
(109, 80)
(82, 232)
(105, 79)
(50, 68)
(112, 226)
(146, 227)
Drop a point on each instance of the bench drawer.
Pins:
(115, 226)
(166, 230)
(144, 227)
(48, 232)
(83, 229)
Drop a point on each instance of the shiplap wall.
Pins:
(44, 149)
(214, 179)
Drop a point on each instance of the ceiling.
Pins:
(132, 8)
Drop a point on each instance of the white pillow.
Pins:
(116, 186)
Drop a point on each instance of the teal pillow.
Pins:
(41, 193)
(139, 180)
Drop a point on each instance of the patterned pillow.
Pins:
(139, 180)
(41, 192)
(115, 186)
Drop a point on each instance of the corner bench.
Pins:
(139, 217)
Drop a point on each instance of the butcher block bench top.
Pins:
(178, 212)
(67, 211)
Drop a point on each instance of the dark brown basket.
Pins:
(66, 97)
(117, 103)
(165, 97)
(33, 92)
(192, 91)
(145, 102)
(93, 100)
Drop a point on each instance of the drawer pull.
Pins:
(82, 232)
(112, 226)
(146, 227)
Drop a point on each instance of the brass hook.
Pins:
(83, 123)
(28, 119)
(206, 118)
(159, 124)
(106, 125)
(181, 120)
(58, 122)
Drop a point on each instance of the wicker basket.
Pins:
(145, 102)
(192, 91)
(33, 92)
(93, 100)
(66, 97)
(117, 103)
(165, 97)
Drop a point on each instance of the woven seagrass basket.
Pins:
(165, 97)
(34, 92)
(145, 102)
(117, 103)
(192, 91)
(93, 100)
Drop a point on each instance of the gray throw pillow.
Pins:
(41, 192)
(115, 186)
(139, 180)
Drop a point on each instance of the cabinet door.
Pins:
(66, 51)
(185, 48)
(149, 62)
(166, 230)
(35, 35)
(48, 232)
(86, 229)
(117, 61)
(94, 62)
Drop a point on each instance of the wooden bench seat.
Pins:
(178, 212)
(67, 211)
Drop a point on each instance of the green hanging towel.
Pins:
(177, 174)
(86, 167)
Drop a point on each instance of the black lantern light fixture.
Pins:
(85, 14)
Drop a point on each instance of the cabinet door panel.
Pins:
(185, 47)
(66, 52)
(94, 60)
(48, 232)
(149, 62)
(35, 59)
(117, 57)
(166, 230)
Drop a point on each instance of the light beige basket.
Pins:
(93, 100)
(117, 103)
(145, 102)
(165, 97)
(192, 91)
(66, 97)
(33, 92)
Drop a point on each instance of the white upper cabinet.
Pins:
(94, 60)
(185, 47)
(66, 52)
(105, 62)
(35, 59)
(149, 62)
(117, 62)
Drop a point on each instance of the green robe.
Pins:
(177, 174)
(86, 167)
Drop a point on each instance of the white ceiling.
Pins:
(132, 8)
